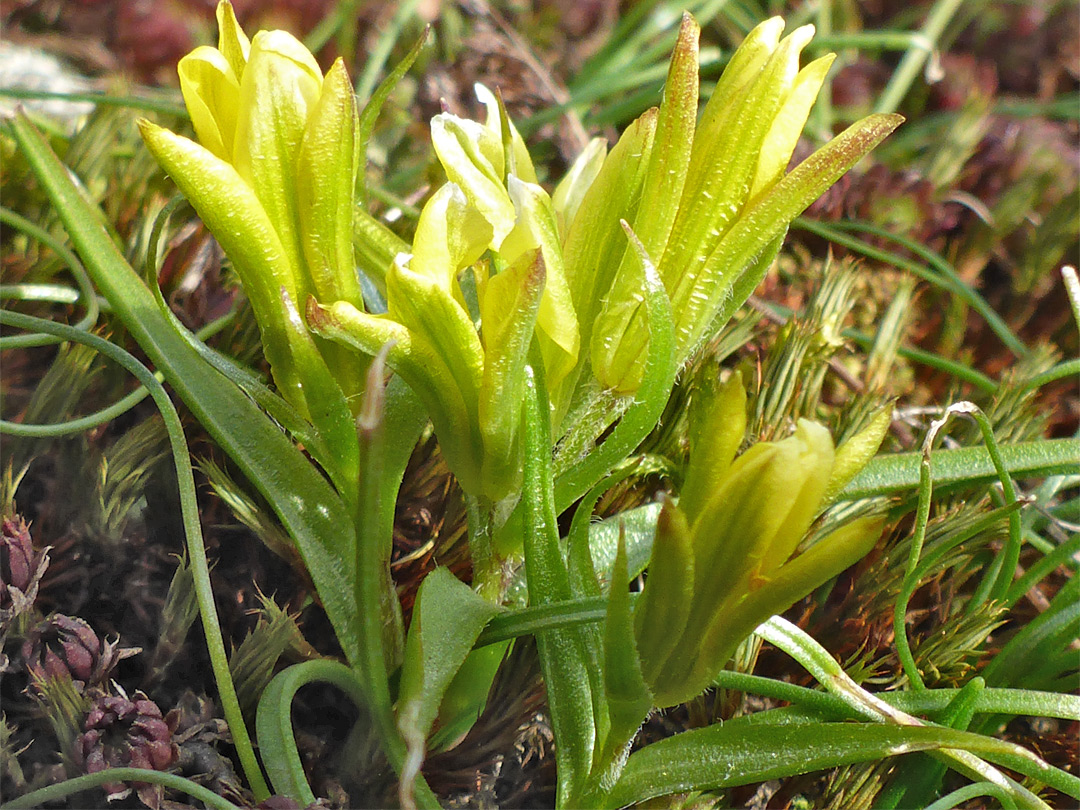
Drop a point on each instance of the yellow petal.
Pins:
(786, 128)
(232, 41)
(465, 149)
(212, 94)
(520, 161)
(450, 235)
(568, 194)
(280, 87)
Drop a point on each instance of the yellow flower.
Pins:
(722, 560)
(273, 178)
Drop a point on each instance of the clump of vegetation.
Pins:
(552, 454)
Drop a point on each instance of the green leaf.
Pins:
(446, 622)
(279, 90)
(767, 219)
(717, 417)
(664, 606)
(568, 194)
(642, 415)
(370, 114)
(563, 659)
(662, 190)
(638, 526)
(854, 454)
(899, 472)
(273, 723)
(739, 753)
(325, 178)
(628, 696)
(595, 242)
(230, 209)
(508, 308)
(326, 404)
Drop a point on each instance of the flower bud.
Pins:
(66, 647)
(119, 732)
(273, 178)
(726, 565)
(21, 568)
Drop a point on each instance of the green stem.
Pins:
(69, 787)
(1010, 555)
(486, 569)
(1063, 370)
(915, 58)
(106, 414)
(974, 791)
(101, 99)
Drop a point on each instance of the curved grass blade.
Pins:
(374, 105)
(86, 289)
(740, 753)
(69, 787)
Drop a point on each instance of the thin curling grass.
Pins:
(70, 787)
(189, 509)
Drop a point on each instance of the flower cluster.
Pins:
(722, 560)
(709, 201)
(501, 274)
(273, 179)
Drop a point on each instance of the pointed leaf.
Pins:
(232, 41)
(595, 243)
(370, 114)
(279, 89)
(326, 176)
(717, 416)
(311, 512)
(769, 217)
(508, 310)
(628, 696)
(741, 752)
(447, 620)
(563, 659)
(231, 210)
(568, 194)
(854, 454)
(662, 611)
